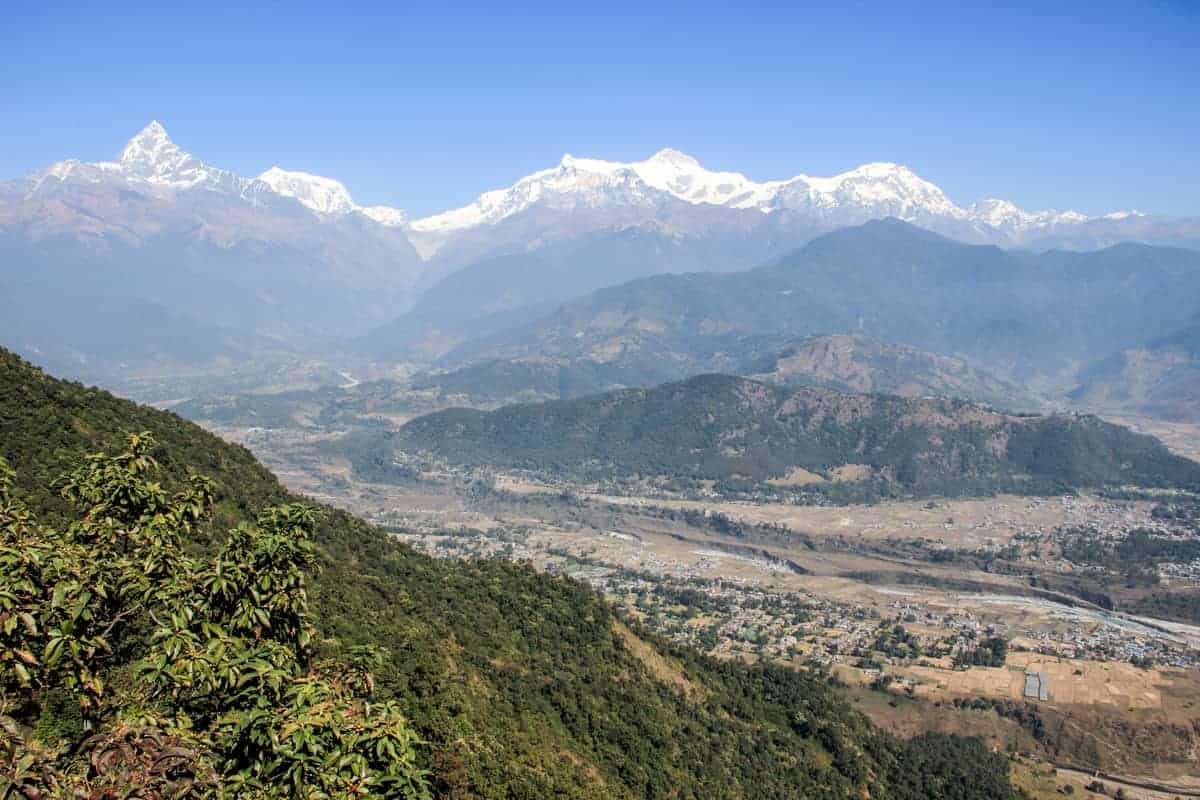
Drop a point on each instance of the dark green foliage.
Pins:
(940, 766)
(47, 426)
(1084, 451)
(991, 652)
(896, 642)
(521, 685)
(193, 676)
(1138, 548)
(1185, 510)
(740, 433)
(1181, 606)
(504, 381)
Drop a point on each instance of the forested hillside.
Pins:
(743, 433)
(517, 684)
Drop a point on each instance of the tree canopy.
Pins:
(128, 665)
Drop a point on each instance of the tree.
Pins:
(186, 675)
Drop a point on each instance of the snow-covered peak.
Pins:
(152, 156)
(151, 139)
(324, 195)
(683, 176)
(626, 192)
(998, 213)
(880, 187)
(874, 189)
(151, 160)
(1006, 216)
(576, 183)
(670, 157)
(386, 215)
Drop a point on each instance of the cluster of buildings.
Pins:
(740, 616)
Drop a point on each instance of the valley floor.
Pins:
(892, 600)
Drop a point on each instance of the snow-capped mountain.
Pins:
(870, 191)
(326, 196)
(579, 195)
(149, 158)
(152, 161)
(878, 189)
(153, 157)
(286, 255)
(292, 256)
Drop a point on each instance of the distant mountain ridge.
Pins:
(844, 362)
(870, 191)
(499, 292)
(1024, 315)
(161, 226)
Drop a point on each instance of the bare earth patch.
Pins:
(660, 667)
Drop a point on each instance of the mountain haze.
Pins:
(1024, 315)
(1159, 379)
(161, 225)
(500, 292)
(291, 257)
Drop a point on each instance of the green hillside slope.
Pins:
(522, 685)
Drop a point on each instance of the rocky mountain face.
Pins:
(859, 364)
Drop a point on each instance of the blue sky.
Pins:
(1094, 106)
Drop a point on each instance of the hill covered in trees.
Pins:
(495, 681)
(742, 433)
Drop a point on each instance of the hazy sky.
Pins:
(1094, 106)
